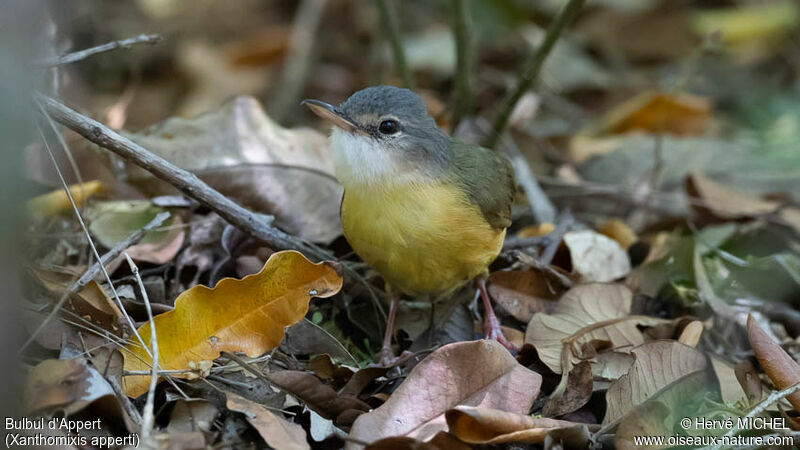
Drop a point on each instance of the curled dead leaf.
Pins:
(57, 201)
(777, 364)
(318, 396)
(477, 373)
(524, 292)
(491, 426)
(247, 315)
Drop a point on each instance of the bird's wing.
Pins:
(488, 180)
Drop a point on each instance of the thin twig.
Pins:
(183, 180)
(532, 68)
(94, 269)
(83, 54)
(88, 235)
(465, 60)
(389, 20)
(147, 414)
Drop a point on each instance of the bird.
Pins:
(428, 212)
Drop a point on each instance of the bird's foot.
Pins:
(388, 359)
(492, 330)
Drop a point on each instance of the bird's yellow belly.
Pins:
(422, 238)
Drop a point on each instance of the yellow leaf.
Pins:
(247, 315)
(618, 231)
(57, 201)
(759, 22)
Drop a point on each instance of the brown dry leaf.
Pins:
(57, 201)
(748, 379)
(578, 392)
(442, 441)
(111, 222)
(243, 153)
(731, 390)
(477, 373)
(522, 293)
(537, 230)
(189, 416)
(263, 47)
(90, 302)
(315, 394)
(588, 312)
(726, 203)
(691, 333)
(277, 432)
(612, 365)
(645, 420)
(247, 315)
(657, 365)
(491, 426)
(595, 257)
(777, 364)
(67, 385)
(655, 112)
(618, 231)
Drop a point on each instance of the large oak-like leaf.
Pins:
(247, 315)
(586, 312)
(476, 373)
(243, 153)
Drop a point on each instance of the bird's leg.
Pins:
(491, 326)
(387, 355)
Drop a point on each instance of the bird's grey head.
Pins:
(385, 129)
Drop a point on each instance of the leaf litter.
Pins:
(673, 294)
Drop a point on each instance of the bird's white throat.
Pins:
(361, 161)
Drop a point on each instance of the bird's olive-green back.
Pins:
(488, 180)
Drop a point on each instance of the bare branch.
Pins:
(465, 61)
(389, 20)
(183, 180)
(532, 68)
(83, 54)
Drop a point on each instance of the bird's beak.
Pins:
(332, 114)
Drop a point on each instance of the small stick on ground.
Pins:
(531, 69)
(542, 208)
(83, 54)
(183, 180)
(147, 415)
(94, 269)
(389, 20)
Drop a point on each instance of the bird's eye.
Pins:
(388, 127)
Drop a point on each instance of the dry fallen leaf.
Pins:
(618, 231)
(595, 257)
(277, 432)
(67, 385)
(657, 364)
(585, 313)
(522, 293)
(442, 441)
(317, 396)
(578, 392)
(112, 222)
(491, 426)
(242, 152)
(777, 364)
(91, 302)
(477, 373)
(57, 201)
(247, 315)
